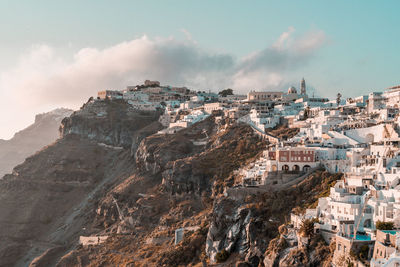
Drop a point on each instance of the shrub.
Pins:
(384, 225)
(332, 247)
(307, 227)
(282, 229)
(222, 256)
(276, 245)
(363, 254)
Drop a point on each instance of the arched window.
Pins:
(306, 168)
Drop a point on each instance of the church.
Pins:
(292, 94)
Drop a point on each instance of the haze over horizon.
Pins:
(58, 55)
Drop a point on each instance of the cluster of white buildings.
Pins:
(262, 110)
(360, 139)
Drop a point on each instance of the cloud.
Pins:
(283, 39)
(272, 66)
(43, 78)
(188, 35)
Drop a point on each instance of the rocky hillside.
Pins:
(112, 175)
(42, 132)
(174, 186)
(49, 199)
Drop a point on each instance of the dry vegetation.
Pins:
(283, 132)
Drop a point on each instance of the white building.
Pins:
(263, 120)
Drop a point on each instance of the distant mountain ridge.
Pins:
(26, 142)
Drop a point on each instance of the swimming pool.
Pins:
(392, 232)
(362, 237)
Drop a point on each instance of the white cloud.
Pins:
(283, 39)
(273, 66)
(44, 79)
(188, 35)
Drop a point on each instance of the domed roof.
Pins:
(292, 90)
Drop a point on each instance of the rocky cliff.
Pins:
(42, 132)
(113, 123)
(47, 201)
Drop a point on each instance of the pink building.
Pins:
(291, 159)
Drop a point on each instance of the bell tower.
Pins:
(303, 87)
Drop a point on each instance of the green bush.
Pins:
(222, 256)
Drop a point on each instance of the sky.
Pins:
(59, 53)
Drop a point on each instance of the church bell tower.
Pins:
(303, 87)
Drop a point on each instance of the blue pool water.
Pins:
(362, 237)
(392, 232)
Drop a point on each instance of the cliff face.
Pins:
(42, 132)
(44, 202)
(177, 180)
(247, 224)
(200, 158)
(110, 122)
(47, 201)
(283, 252)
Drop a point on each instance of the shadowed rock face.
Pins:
(47, 200)
(43, 193)
(110, 122)
(25, 143)
(174, 186)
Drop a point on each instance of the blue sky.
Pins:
(355, 49)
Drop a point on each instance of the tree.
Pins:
(338, 97)
(226, 92)
(307, 227)
(306, 112)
